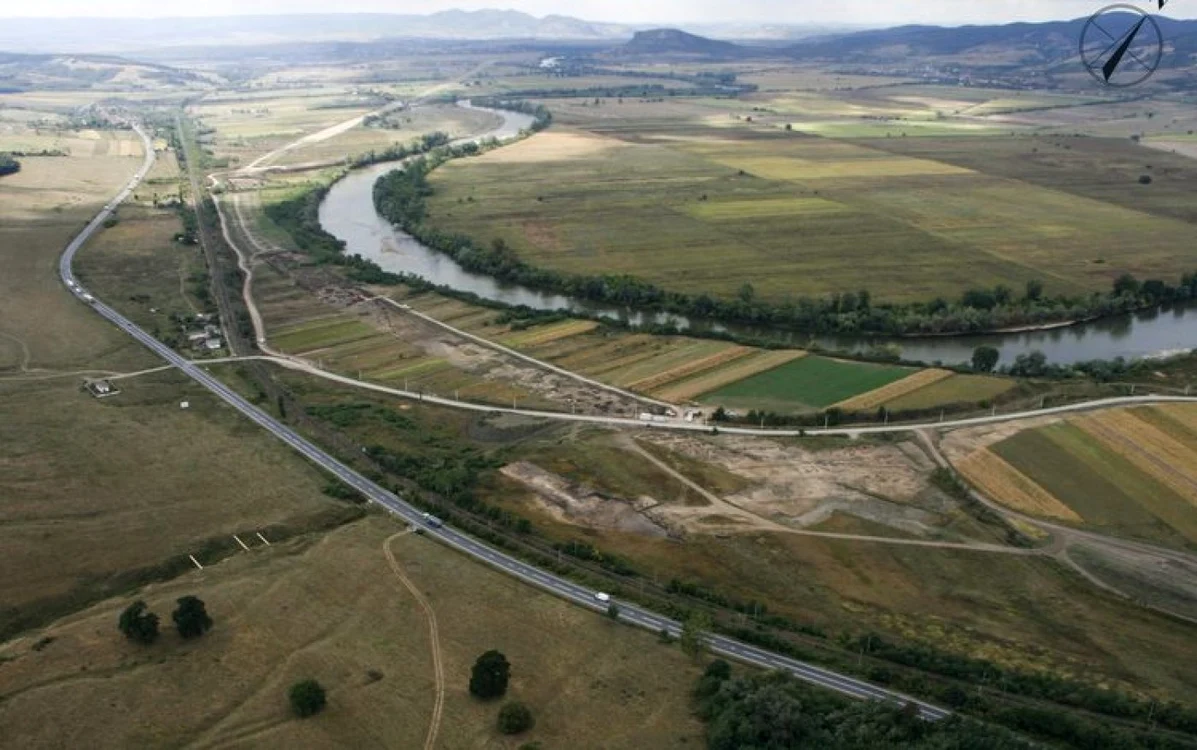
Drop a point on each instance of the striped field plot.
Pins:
(1009, 486)
(886, 393)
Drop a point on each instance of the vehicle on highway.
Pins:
(433, 521)
(602, 596)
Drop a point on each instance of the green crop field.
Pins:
(1100, 484)
(703, 196)
(812, 382)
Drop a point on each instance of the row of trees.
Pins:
(139, 624)
(775, 712)
(400, 197)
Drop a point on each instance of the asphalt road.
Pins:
(544, 580)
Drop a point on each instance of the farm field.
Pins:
(811, 382)
(360, 633)
(672, 368)
(682, 370)
(951, 390)
(1128, 471)
(380, 345)
(677, 193)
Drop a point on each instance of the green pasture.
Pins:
(811, 382)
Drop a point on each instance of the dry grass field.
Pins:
(45, 204)
(330, 608)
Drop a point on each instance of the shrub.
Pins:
(137, 624)
(514, 718)
(307, 698)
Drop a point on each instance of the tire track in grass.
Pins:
(438, 667)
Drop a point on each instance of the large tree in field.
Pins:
(191, 617)
(137, 624)
(490, 675)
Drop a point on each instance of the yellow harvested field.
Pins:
(1186, 414)
(1149, 448)
(549, 333)
(760, 361)
(1009, 486)
(886, 393)
(554, 145)
(692, 367)
(790, 168)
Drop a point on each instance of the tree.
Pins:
(694, 631)
(514, 718)
(613, 611)
(489, 677)
(985, 358)
(137, 624)
(307, 698)
(720, 415)
(191, 617)
(1034, 290)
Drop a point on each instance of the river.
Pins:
(348, 213)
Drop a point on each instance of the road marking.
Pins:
(197, 564)
(244, 546)
(263, 539)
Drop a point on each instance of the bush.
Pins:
(307, 698)
(488, 679)
(137, 624)
(514, 718)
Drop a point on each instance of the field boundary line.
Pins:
(434, 640)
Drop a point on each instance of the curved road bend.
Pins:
(544, 580)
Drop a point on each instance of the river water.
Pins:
(348, 213)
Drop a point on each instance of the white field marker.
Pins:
(262, 538)
(197, 564)
(244, 546)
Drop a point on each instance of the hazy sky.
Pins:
(872, 12)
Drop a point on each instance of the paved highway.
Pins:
(544, 580)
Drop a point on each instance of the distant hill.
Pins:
(678, 42)
(1016, 44)
(135, 34)
(19, 72)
